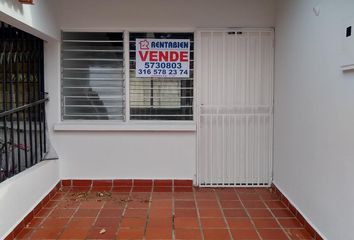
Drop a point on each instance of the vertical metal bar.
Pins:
(223, 103)
(35, 95)
(5, 80)
(211, 103)
(247, 103)
(17, 52)
(229, 149)
(265, 180)
(40, 95)
(271, 104)
(28, 46)
(236, 90)
(126, 61)
(237, 151)
(42, 106)
(23, 61)
(222, 148)
(11, 82)
(259, 103)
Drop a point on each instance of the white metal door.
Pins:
(235, 107)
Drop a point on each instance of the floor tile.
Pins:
(249, 196)
(26, 233)
(272, 234)
(86, 213)
(142, 189)
(290, 223)
(44, 212)
(74, 233)
(121, 189)
(216, 234)
(192, 234)
(186, 222)
(62, 213)
(253, 204)
(107, 222)
(210, 213)
(158, 233)
(136, 233)
(161, 204)
(91, 205)
(183, 189)
(207, 204)
(275, 204)
(223, 196)
(160, 222)
(102, 233)
(282, 213)
(260, 213)
(240, 223)
(231, 204)
(141, 213)
(162, 195)
(81, 222)
(183, 195)
(55, 222)
(185, 204)
(133, 223)
(213, 223)
(244, 234)
(139, 204)
(235, 213)
(52, 204)
(265, 223)
(185, 213)
(47, 233)
(298, 234)
(110, 213)
(162, 189)
(160, 213)
(35, 222)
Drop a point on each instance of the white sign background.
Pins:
(162, 58)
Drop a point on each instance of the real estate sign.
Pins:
(162, 58)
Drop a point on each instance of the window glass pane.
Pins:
(92, 76)
(160, 98)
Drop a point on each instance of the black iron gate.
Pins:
(22, 101)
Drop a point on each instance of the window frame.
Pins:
(128, 124)
(192, 32)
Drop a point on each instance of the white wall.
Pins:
(39, 19)
(112, 14)
(314, 114)
(137, 154)
(20, 194)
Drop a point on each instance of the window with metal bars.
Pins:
(22, 102)
(160, 98)
(92, 76)
(93, 80)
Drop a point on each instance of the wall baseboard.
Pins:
(28, 218)
(296, 213)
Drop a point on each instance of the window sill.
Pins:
(119, 126)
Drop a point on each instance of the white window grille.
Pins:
(92, 76)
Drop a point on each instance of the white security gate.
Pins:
(235, 107)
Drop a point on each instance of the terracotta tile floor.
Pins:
(164, 213)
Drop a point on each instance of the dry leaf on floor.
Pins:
(103, 231)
